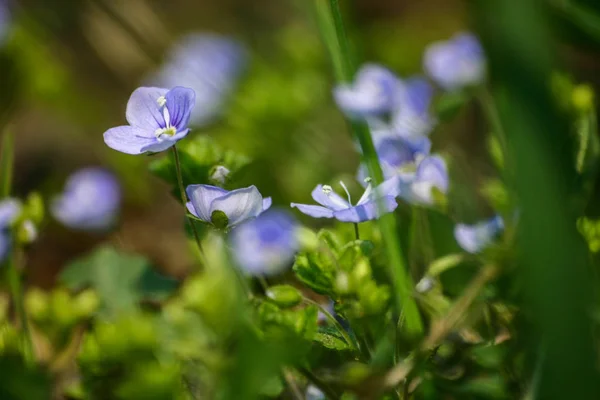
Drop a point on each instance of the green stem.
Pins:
(184, 197)
(491, 112)
(339, 50)
(16, 290)
(356, 232)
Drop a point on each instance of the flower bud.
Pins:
(219, 174)
(86, 303)
(36, 304)
(582, 98)
(284, 295)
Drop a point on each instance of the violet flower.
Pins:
(475, 238)
(210, 64)
(266, 245)
(417, 187)
(90, 201)
(158, 118)
(374, 92)
(456, 63)
(333, 205)
(396, 153)
(225, 209)
(411, 118)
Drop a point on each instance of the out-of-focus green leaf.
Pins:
(121, 280)
(17, 381)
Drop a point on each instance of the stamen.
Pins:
(347, 192)
(368, 180)
(326, 189)
(161, 101)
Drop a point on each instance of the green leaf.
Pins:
(121, 280)
(331, 342)
(198, 156)
(315, 272)
(6, 164)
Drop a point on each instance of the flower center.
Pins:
(165, 133)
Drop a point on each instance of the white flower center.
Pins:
(165, 133)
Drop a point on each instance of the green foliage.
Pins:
(122, 281)
(199, 156)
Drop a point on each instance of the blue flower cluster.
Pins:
(396, 110)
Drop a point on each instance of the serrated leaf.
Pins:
(331, 342)
(314, 273)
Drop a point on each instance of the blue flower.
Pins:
(266, 245)
(10, 209)
(225, 209)
(210, 64)
(158, 118)
(90, 200)
(417, 187)
(474, 238)
(374, 92)
(411, 118)
(456, 63)
(396, 153)
(334, 206)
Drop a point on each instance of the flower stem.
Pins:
(334, 35)
(184, 197)
(356, 232)
(16, 290)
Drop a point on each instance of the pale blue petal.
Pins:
(433, 170)
(475, 238)
(456, 63)
(201, 197)
(373, 92)
(313, 211)
(265, 245)
(165, 142)
(210, 64)
(144, 110)
(239, 205)
(191, 209)
(267, 201)
(412, 118)
(398, 151)
(128, 139)
(180, 102)
(90, 201)
(9, 211)
(331, 200)
(367, 211)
